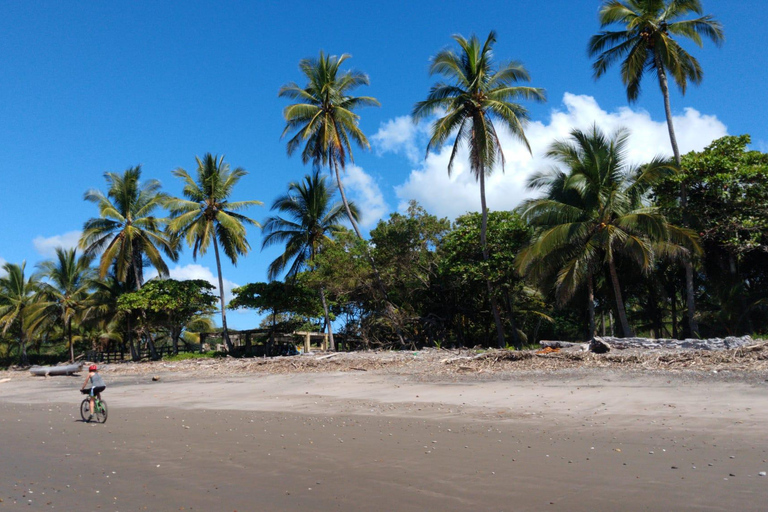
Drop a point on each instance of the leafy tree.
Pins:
(405, 251)
(323, 117)
(18, 293)
(208, 217)
(647, 44)
(728, 207)
(463, 272)
(477, 94)
(126, 231)
(171, 304)
(277, 299)
(65, 296)
(311, 219)
(593, 213)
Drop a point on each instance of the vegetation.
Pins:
(647, 44)
(477, 94)
(207, 216)
(602, 241)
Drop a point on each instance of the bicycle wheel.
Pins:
(101, 411)
(85, 409)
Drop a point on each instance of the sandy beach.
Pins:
(570, 439)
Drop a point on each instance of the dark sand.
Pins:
(596, 441)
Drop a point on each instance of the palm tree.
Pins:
(323, 117)
(207, 216)
(126, 231)
(647, 44)
(477, 94)
(66, 294)
(593, 213)
(326, 125)
(311, 219)
(17, 294)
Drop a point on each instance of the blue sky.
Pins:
(88, 88)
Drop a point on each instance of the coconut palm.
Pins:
(103, 317)
(126, 230)
(647, 43)
(323, 117)
(208, 217)
(594, 212)
(17, 295)
(65, 294)
(476, 94)
(312, 218)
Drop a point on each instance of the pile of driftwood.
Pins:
(434, 363)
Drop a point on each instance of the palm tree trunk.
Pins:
(225, 333)
(486, 257)
(389, 309)
(331, 344)
(591, 301)
(687, 264)
(626, 331)
(71, 345)
(23, 349)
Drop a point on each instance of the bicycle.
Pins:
(99, 408)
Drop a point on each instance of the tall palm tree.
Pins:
(17, 294)
(311, 219)
(476, 94)
(208, 217)
(65, 295)
(326, 125)
(323, 117)
(594, 212)
(126, 230)
(647, 43)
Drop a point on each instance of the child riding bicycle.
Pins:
(96, 387)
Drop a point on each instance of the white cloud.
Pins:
(367, 195)
(196, 271)
(441, 195)
(401, 136)
(47, 246)
(2, 262)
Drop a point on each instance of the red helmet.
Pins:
(93, 368)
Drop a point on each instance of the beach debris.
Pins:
(155, 378)
(468, 363)
(598, 346)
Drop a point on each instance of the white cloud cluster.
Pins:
(430, 185)
(46, 247)
(401, 136)
(196, 271)
(366, 193)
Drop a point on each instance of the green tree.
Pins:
(462, 273)
(647, 43)
(593, 213)
(476, 95)
(171, 304)
(126, 231)
(323, 117)
(405, 250)
(66, 291)
(312, 218)
(208, 217)
(728, 190)
(17, 294)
